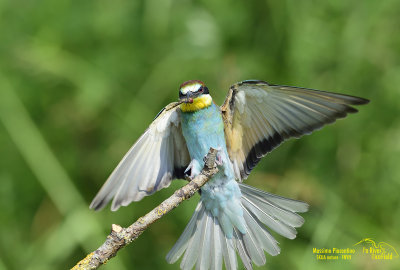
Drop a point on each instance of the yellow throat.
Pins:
(199, 103)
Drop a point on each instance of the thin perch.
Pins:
(120, 237)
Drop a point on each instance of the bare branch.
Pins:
(120, 237)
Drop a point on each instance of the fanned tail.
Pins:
(207, 246)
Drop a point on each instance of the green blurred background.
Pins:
(81, 80)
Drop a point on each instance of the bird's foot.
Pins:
(194, 168)
(218, 159)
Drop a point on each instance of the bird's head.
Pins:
(194, 96)
(192, 89)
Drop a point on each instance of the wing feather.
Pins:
(157, 157)
(258, 117)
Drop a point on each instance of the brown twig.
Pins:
(120, 237)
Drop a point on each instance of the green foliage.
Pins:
(81, 80)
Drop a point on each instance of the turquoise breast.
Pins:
(204, 129)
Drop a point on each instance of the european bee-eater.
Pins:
(231, 217)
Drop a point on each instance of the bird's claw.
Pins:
(218, 159)
(188, 177)
(194, 168)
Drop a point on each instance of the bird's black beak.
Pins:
(188, 98)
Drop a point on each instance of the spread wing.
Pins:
(156, 158)
(259, 116)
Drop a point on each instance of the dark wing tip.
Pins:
(352, 100)
(158, 114)
(348, 110)
(259, 150)
(347, 99)
(360, 101)
(117, 203)
(179, 173)
(97, 205)
(252, 82)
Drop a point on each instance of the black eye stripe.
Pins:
(201, 90)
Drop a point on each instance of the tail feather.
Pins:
(254, 249)
(284, 203)
(192, 249)
(207, 245)
(180, 246)
(228, 251)
(242, 250)
(216, 245)
(265, 239)
(204, 260)
(274, 210)
(275, 224)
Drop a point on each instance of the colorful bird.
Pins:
(230, 217)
